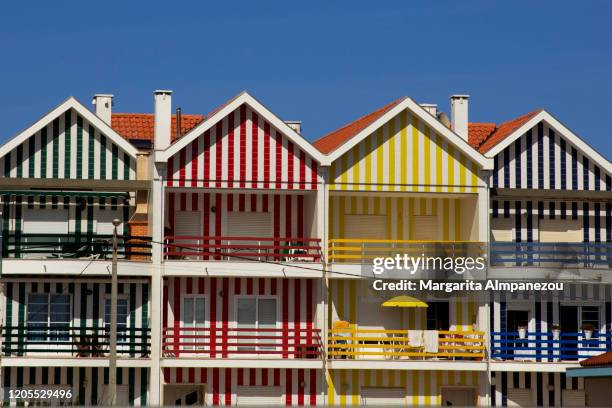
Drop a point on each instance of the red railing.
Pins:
(241, 342)
(277, 249)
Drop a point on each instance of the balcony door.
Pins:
(194, 321)
(254, 313)
(249, 230)
(572, 319)
(365, 227)
(188, 224)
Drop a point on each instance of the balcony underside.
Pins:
(243, 363)
(417, 365)
(65, 361)
(241, 269)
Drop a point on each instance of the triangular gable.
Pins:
(69, 142)
(406, 153)
(568, 162)
(423, 116)
(242, 145)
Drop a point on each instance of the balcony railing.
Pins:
(364, 250)
(34, 339)
(543, 346)
(367, 344)
(206, 342)
(280, 249)
(73, 246)
(552, 254)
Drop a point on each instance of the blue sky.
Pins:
(324, 63)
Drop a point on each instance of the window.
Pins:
(255, 313)
(438, 316)
(122, 317)
(194, 316)
(48, 317)
(590, 315)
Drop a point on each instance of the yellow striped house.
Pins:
(401, 181)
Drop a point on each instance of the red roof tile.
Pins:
(139, 126)
(478, 138)
(479, 132)
(604, 359)
(338, 137)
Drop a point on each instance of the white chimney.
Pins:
(104, 106)
(296, 125)
(432, 108)
(163, 119)
(459, 115)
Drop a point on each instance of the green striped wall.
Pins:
(69, 147)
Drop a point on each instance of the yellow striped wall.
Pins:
(422, 387)
(399, 213)
(405, 155)
(343, 294)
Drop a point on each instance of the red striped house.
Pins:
(242, 145)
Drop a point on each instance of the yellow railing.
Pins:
(354, 343)
(364, 250)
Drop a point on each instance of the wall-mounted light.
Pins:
(213, 209)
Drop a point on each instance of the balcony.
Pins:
(73, 341)
(562, 255)
(289, 343)
(237, 249)
(73, 246)
(542, 346)
(403, 345)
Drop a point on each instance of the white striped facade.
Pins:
(88, 384)
(87, 300)
(405, 154)
(69, 147)
(546, 389)
(243, 150)
(420, 388)
(222, 386)
(400, 212)
(287, 210)
(349, 298)
(595, 217)
(544, 159)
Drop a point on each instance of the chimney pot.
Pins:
(459, 115)
(296, 125)
(104, 107)
(432, 108)
(163, 119)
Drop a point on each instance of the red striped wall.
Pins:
(296, 300)
(287, 210)
(242, 151)
(299, 386)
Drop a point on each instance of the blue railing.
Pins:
(542, 346)
(552, 254)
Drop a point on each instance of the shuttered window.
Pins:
(187, 223)
(45, 221)
(560, 230)
(365, 226)
(250, 224)
(573, 398)
(259, 395)
(105, 219)
(377, 396)
(520, 397)
(502, 230)
(426, 228)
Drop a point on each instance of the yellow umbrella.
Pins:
(404, 301)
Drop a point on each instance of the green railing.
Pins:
(77, 341)
(74, 246)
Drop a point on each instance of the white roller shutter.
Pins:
(520, 397)
(187, 223)
(45, 221)
(365, 226)
(250, 224)
(259, 395)
(560, 230)
(573, 398)
(104, 219)
(426, 228)
(502, 229)
(377, 396)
